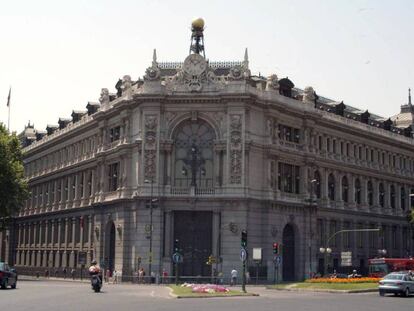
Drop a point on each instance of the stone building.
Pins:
(198, 151)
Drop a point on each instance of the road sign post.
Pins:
(177, 259)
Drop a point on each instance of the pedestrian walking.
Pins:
(233, 277)
(73, 273)
(141, 275)
(115, 277)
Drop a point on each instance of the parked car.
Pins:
(397, 283)
(8, 276)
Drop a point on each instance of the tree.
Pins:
(13, 185)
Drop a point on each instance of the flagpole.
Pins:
(8, 106)
(8, 121)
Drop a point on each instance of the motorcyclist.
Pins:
(94, 269)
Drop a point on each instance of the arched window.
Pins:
(392, 196)
(370, 192)
(357, 191)
(402, 198)
(381, 194)
(331, 187)
(316, 184)
(345, 188)
(193, 155)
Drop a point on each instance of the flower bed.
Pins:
(206, 288)
(345, 281)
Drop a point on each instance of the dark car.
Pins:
(8, 276)
(397, 283)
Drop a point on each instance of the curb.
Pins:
(171, 294)
(332, 291)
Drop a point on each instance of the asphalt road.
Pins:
(59, 295)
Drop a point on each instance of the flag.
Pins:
(8, 98)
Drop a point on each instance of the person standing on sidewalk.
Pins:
(233, 277)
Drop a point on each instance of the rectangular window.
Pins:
(334, 146)
(332, 231)
(347, 240)
(320, 142)
(394, 237)
(287, 133)
(114, 134)
(82, 192)
(320, 232)
(113, 171)
(289, 178)
(360, 236)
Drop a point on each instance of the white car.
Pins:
(396, 283)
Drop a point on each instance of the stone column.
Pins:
(304, 180)
(216, 234)
(50, 261)
(81, 227)
(72, 253)
(45, 257)
(65, 246)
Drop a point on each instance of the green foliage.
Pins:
(13, 186)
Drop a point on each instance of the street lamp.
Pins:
(327, 250)
(151, 181)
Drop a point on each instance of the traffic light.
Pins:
(244, 238)
(275, 248)
(176, 246)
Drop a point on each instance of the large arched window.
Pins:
(392, 196)
(402, 198)
(331, 187)
(357, 191)
(345, 188)
(193, 155)
(316, 184)
(381, 194)
(370, 192)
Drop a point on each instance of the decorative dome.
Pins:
(198, 24)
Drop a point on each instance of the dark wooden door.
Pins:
(288, 253)
(194, 232)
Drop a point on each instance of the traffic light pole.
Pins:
(244, 277)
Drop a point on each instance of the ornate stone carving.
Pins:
(272, 83)
(193, 76)
(236, 73)
(236, 148)
(169, 116)
(126, 84)
(153, 73)
(309, 95)
(150, 147)
(104, 98)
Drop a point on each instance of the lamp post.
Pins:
(150, 231)
(327, 250)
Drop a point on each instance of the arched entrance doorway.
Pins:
(110, 246)
(288, 253)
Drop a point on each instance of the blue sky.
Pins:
(57, 55)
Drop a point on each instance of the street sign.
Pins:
(257, 254)
(177, 258)
(278, 260)
(243, 255)
(346, 259)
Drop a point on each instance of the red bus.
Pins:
(378, 267)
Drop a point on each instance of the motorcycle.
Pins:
(96, 283)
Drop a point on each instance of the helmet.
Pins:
(94, 262)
